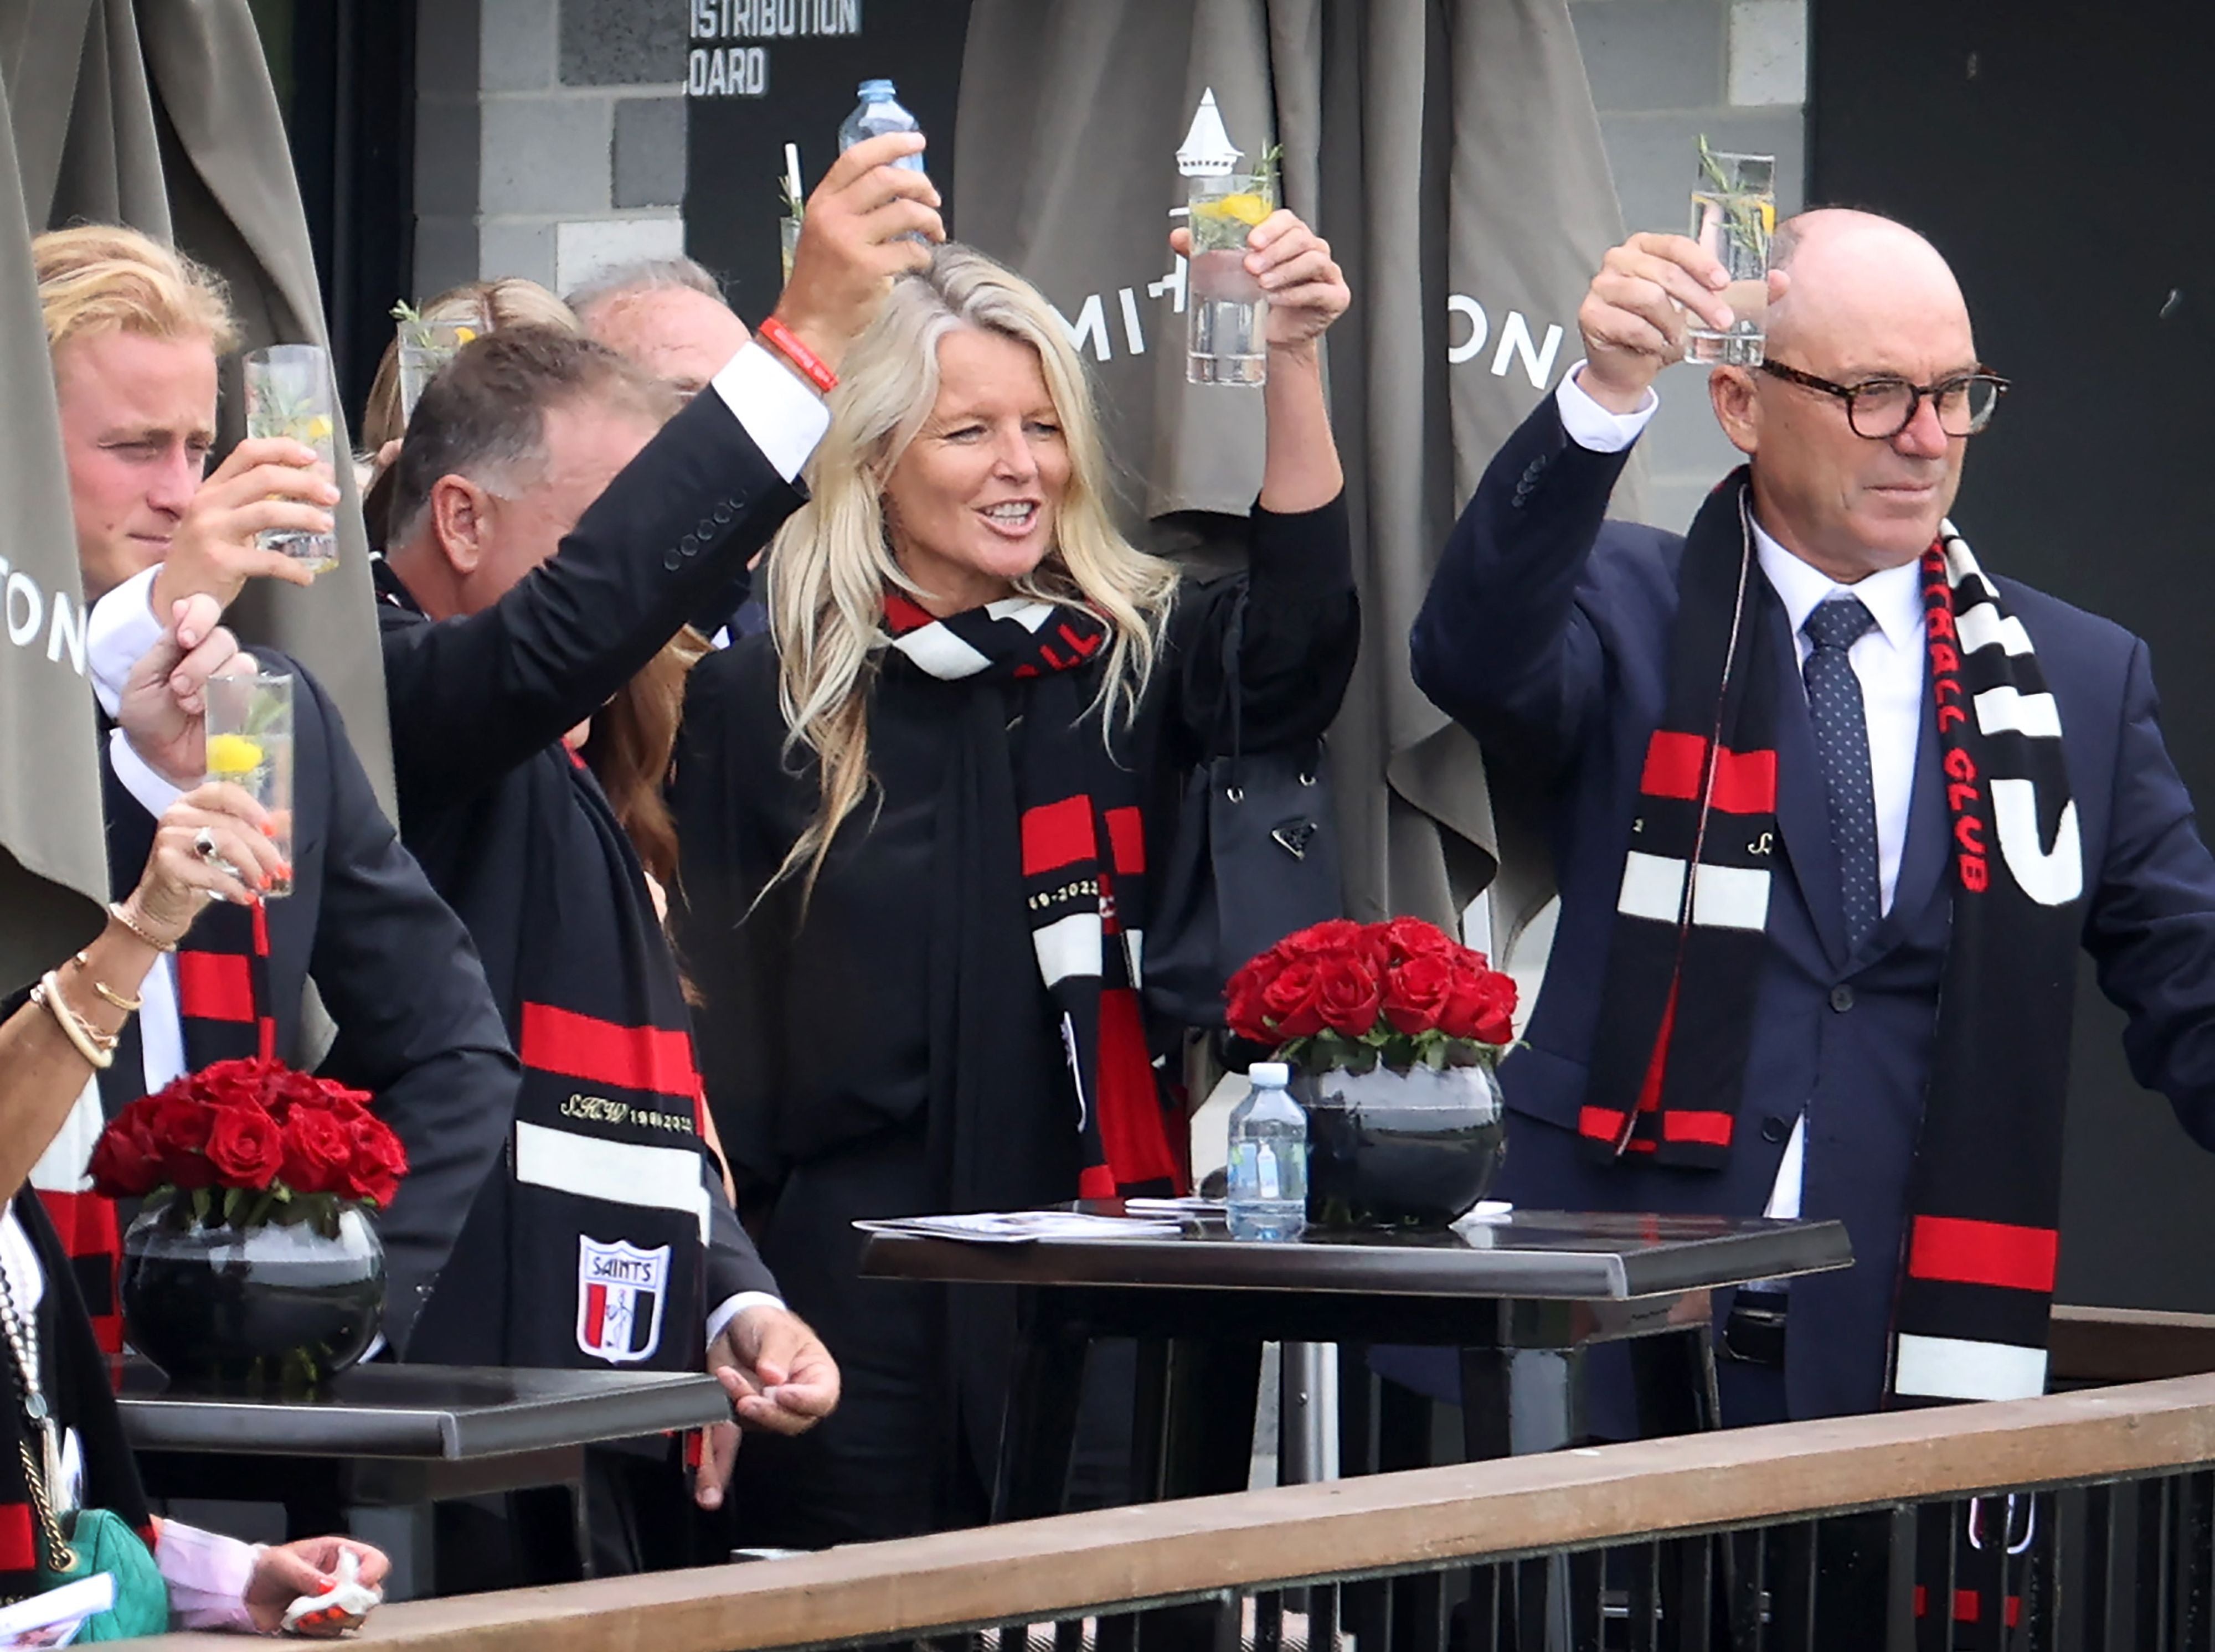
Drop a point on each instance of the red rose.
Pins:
(318, 1151)
(1290, 1004)
(1331, 935)
(1245, 1009)
(1415, 992)
(1351, 992)
(177, 1123)
(1481, 1006)
(379, 1161)
(125, 1164)
(1411, 937)
(246, 1147)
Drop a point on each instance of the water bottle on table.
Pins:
(879, 113)
(1268, 1159)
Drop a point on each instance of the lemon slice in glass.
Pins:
(1248, 209)
(232, 755)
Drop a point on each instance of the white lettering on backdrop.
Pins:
(721, 64)
(24, 605)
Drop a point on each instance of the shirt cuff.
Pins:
(153, 791)
(731, 1306)
(783, 416)
(208, 1575)
(121, 632)
(1593, 427)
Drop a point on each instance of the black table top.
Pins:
(422, 1411)
(1528, 1254)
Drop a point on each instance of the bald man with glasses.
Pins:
(1834, 806)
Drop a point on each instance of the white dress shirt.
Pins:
(784, 419)
(1887, 659)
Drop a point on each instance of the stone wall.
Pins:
(549, 137)
(1663, 72)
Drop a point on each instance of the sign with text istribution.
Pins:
(760, 74)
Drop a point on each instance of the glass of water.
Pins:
(288, 393)
(1223, 304)
(249, 744)
(425, 346)
(1733, 215)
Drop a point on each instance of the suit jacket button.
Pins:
(1842, 998)
(671, 560)
(689, 545)
(1775, 1129)
(722, 513)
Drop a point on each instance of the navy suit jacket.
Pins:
(1546, 631)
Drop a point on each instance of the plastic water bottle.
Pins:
(879, 113)
(1268, 1160)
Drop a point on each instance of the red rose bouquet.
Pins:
(1347, 994)
(243, 1142)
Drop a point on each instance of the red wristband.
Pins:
(810, 365)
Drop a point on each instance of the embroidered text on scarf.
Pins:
(1083, 855)
(1683, 966)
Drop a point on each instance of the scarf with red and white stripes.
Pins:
(1983, 1200)
(1084, 864)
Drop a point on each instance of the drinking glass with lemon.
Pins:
(289, 393)
(1225, 307)
(425, 346)
(249, 745)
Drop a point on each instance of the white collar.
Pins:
(1894, 596)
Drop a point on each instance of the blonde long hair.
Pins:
(831, 564)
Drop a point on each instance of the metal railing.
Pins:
(2094, 1527)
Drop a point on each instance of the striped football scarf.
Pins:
(1084, 864)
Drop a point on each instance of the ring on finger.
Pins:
(204, 845)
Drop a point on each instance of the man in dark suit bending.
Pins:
(1833, 807)
(135, 331)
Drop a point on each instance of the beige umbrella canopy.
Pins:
(159, 114)
(1450, 151)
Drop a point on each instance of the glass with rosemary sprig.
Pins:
(424, 347)
(289, 394)
(1225, 308)
(788, 227)
(249, 745)
(1733, 215)
(1733, 218)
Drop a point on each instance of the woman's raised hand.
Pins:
(237, 864)
(860, 235)
(1306, 289)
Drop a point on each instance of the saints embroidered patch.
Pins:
(621, 1292)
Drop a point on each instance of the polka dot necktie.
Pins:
(1834, 703)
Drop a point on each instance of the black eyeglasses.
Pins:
(1880, 408)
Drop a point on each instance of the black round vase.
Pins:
(1413, 1149)
(277, 1306)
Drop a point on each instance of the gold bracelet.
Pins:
(48, 995)
(103, 1041)
(115, 911)
(123, 1002)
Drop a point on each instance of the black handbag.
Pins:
(1254, 857)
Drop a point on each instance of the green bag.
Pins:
(104, 1544)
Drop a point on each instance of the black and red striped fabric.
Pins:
(1084, 867)
(1984, 1202)
(1978, 1258)
(1684, 964)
